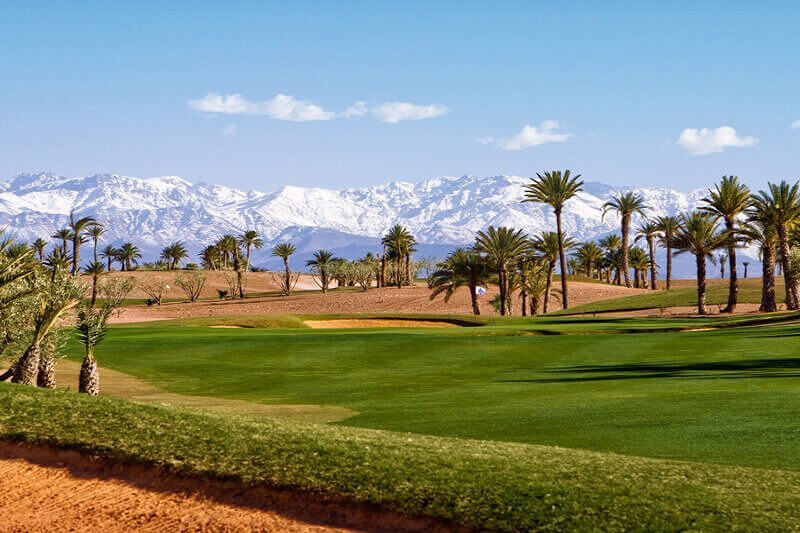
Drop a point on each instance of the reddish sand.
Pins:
(45, 490)
(352, 300)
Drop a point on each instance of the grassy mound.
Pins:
(474, 483)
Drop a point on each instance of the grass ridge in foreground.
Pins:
(475, 483)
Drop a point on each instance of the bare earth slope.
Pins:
(352, 300)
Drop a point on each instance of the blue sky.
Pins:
(608, 91)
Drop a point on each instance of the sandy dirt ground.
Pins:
(46, 490)
(377, 323)
(387, 300)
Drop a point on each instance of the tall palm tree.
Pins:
(110, 254)
(285, 250)
(668, 227)
(700, 236)
(722, 259)
(39, 246)
(760, 228)
(94, 233)
(625, 204)
(77, 228)
(211, 257)
(64, 235)
(57, 262)
(129, 255)
(502, 247)
(173, 254)
(95, 269)
(461, 268)
(322, 264)
(649, 230)
(251, 240)
(745, 264)
(548, 244)
(555, 188)
(781, 205)
(728, 200)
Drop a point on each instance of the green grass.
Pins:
(629, 386)
(716, 294)
(478, 484)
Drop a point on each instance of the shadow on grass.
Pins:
(746, 368)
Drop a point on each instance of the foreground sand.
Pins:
(47, 490)
(352, 300)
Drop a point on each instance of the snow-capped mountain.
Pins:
(440, 212)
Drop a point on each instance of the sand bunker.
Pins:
(49, 490)
(378, 323)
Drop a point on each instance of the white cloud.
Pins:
(359, 109)
(546, 132)
(229, 130)
(795, 125)
(709, 141)
(393, 112)
(282, 107)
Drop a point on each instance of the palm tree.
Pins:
(95, 269)
(173, 254)
(745, 264)
(211, 257)
(639, 262)
(50, 305)
(400, 245)
(94, 233)
(502, 247)
(649, 230)
(729, 200)
(129, 255)
(760, 228)
(625, 204)
(39, 246)
(590, 256)
(57, 262)
(285, 250)
(548, 244)
(668, 227)
(555, 188)
(781, 205)
(609, 244)
(64, 235)
(322, 264)
(722, 258)
(77, 228)
(92, 328)
(461, 268)
(110, 254)
(250, 239)
(699, 236)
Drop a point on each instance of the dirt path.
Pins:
(46, 490)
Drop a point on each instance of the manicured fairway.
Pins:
(729, 396)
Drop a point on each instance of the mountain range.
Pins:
(441, 212)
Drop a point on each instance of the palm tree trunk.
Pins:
(287, 274)
(76, 253)
(534, 305)
(523, 294)
(768, 280)
(651, 242)
(408, 270)
(95, 249)
(626, 221)
(788, 275)
(46, 376)
(549, 285)
(563, 261)
(474, 298)
(26, 370)
(247, 249)
(701, 283)
(89, 379)
(502, 283)
(669, 265)
(94, 289)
